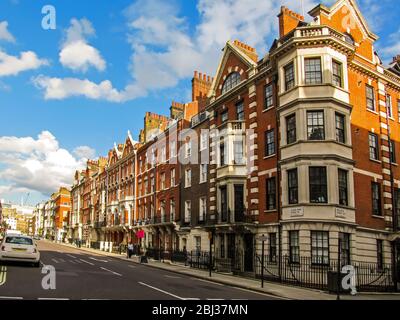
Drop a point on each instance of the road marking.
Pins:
(53, 299)
(70, 255)
(62, 260)
(116, 273)
(72, 261)
(12, 298)
(3, 275)
(92, 264)
(54, 260)
(214, 299)
(98, 259)
(78, 261)
(172, 277)
(160, 290)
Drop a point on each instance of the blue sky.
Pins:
(82, 86)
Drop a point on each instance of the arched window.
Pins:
(231, 81)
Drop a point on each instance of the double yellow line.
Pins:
(3, 275)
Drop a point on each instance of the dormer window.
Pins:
(231, 81)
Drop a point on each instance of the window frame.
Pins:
(236, 152)
(345, 250)
(232, 80)
(320, 247)
(321, 184)
(389, 106)
(270, 147)
(335, 75)
(188, 211)
(291, 131)
(202, 205)
(313, 126)
(294, 187)
(202, 166)
(224, 116)
(340, 132)
(273, 244)
(268, 96)
(343, 186)
(294, 246)
(375, 148)
(370, 97)
(188, 178)
(240, 113)
(392, 151)
(270, 188)
(379, 254)
(289, 77)
(313, 77)
(376, 198)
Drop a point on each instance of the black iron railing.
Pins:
(305, 273)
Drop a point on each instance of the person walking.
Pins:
(130, 249)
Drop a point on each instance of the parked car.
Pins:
(19, 248)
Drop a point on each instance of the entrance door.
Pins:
(248, 252)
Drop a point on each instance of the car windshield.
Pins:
(19, 240)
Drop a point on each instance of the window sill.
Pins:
(270, 156)
(378, 217)
(268, 109)
(270, 211)
(377, 161)
(372, 111)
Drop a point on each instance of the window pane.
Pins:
(271, 194)
(270, 142)
(342, 182)
(370, 98)
(269, 99)
(319, 247)
(291, 128)
(231, 81)
(376, 198)
(340, 127)
(337, 73)
(240, 111)
(318, 185)
(292, 186)
(313, 71)
(315, 125)
(289, 76)
(373, 146)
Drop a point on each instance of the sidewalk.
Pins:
(275, 289)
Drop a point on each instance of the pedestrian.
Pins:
(130, 249)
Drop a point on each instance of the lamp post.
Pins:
(338, 269)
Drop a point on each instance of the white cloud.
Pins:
(76, 53)
(164, 52)
(166, 49)
(62, 88)
(85, 152)
(36, 164)
(13, 65)
(4, 33)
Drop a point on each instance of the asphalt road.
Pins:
(81, 275)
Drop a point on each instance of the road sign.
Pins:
(262, 238)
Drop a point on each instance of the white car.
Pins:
(19, 248)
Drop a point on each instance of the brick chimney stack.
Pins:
(288, 21)
(201, 84)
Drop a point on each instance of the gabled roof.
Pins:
(229, 48)
(354, 10)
